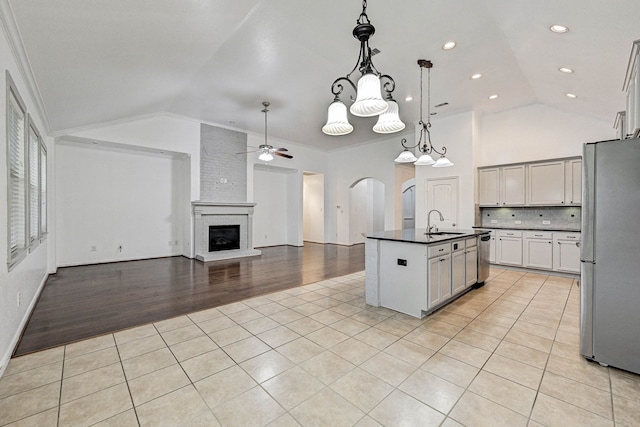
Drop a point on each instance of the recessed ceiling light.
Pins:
(566, 70)
(559, 28)
(493, 96)
(476, 76)
(409, 98)
(449, 45)
(571, 95)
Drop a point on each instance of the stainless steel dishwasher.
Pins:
(484, 248)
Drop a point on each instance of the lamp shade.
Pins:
(265, 156)
(389, 121)
(369, 101)
(443, 162)
(337, 121)
(424, 160)
(405, 157)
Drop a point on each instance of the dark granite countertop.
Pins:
(417, 235)
(572, 230)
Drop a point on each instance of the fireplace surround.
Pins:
(216, 215)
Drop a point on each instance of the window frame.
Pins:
(17, 254)
(43, 206)
(33, 240)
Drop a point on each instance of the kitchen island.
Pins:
(415, 272)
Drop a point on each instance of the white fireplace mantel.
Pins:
(216, 213)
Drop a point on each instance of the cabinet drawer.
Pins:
(509, 233)
(471, 242)
(566, 236)
(438, 250)
(547, 235)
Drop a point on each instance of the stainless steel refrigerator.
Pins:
(610, 254)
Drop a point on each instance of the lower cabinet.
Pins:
(492, 247)
(566, 252)
(439, 280)
(402, 270)
(509, 248)
(458, 270)
(471, 266)
(538, 249)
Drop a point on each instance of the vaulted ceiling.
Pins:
(217, 60)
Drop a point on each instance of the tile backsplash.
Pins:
(548, 217)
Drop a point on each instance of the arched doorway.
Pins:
(366, 208)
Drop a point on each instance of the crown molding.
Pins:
(14, 39)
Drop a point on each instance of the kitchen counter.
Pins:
(418, 235)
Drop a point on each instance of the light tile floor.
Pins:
(317, 355)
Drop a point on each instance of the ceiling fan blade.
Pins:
(280, 149)
(286, 156)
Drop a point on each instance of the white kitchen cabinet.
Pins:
(538, 249)
(546, 183)
(439, 280)
(566, 252)
(458, 267)
(512, 181)
(492, 247)
(471, 268)
(504, 186)
(573, 182)
(489, 187)
(509, 248)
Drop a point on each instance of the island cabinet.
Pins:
(471, 262)
(439, 267)
(414, 273)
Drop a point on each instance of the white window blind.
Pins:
(34, 184)
(43, 190)
(17, 185)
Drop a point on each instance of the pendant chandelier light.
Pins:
(424, 142)
(369, 101)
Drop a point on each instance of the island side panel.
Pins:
(371, 272)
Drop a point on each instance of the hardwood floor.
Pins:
(86, 301)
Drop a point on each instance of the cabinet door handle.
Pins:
(578, 244)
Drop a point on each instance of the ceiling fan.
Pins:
(268, 151)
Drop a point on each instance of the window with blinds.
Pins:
(43, 190)
(16, 158)
(34, 185)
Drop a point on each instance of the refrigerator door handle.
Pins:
(587, 277)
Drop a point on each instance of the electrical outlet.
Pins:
(93, 248)
(18, 298)
(120, 248)
(546, 222)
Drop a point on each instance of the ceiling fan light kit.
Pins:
(369, 101)
(424, 144)
(268, 152)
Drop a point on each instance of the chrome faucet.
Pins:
(429, 226)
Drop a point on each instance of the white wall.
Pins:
(125, 198)
(27, 277)
(270, 217)
(347, 166)
(537, 132)
(313, 207)
(456, 133)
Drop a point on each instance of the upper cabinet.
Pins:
(632, 88)
(548, 183)
(501, 186)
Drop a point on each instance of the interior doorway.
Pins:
(409, 204)
(366, 208)
(313, 207)
(442, 194)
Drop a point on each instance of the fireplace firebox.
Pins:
(224, 237)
